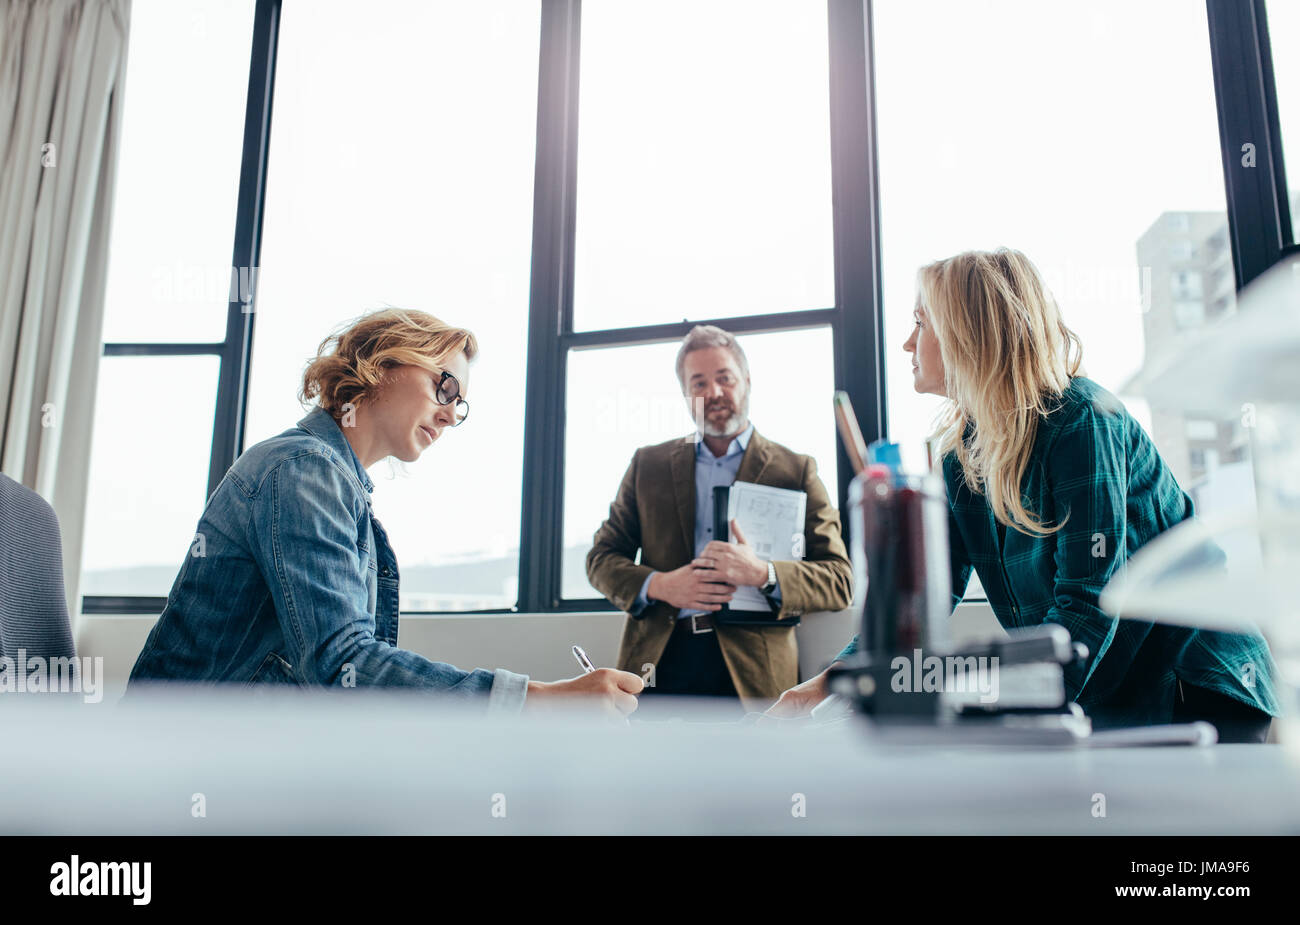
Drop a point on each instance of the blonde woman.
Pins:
(297, 583)
(1052, 485)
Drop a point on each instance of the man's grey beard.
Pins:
(730, 427)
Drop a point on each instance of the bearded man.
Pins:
(664, 510)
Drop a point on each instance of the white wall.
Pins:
(534, 644)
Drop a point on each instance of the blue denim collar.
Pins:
(321, 425)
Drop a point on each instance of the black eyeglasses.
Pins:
(449, 391)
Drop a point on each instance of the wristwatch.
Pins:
(771, 579)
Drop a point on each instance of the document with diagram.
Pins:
(772, 521)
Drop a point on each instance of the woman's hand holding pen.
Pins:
(606, 690)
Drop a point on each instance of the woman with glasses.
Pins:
(290, 578)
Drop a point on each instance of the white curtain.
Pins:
(62, 73)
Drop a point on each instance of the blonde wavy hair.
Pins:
(1007, 358)
(351, 363)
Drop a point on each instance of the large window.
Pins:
(703, 192)
(148, 470)
(704, 186)
(621, 399)
(401, 173)
(178, 171)
(1066, 139)
(167, 290)
(581, 182)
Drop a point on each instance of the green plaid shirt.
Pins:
(1093, 461)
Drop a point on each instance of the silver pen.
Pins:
(585, 662)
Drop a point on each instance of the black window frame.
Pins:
(235, 350)
(854, 320)
(1259, 223)
(1259, 212)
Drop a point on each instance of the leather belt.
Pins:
(699, 623)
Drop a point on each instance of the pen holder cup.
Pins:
(901, 567)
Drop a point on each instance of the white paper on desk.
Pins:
(772, 521)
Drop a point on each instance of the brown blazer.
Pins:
(655, 513)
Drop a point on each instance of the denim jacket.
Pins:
(290, 580)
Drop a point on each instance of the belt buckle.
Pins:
(695, 626)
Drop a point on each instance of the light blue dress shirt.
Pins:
(710, 472)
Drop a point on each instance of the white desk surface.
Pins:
(352, 762)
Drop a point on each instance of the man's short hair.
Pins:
(704, 336)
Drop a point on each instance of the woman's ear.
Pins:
(378, 390)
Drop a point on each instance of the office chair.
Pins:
(33, 605)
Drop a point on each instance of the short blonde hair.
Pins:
(351, 363)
